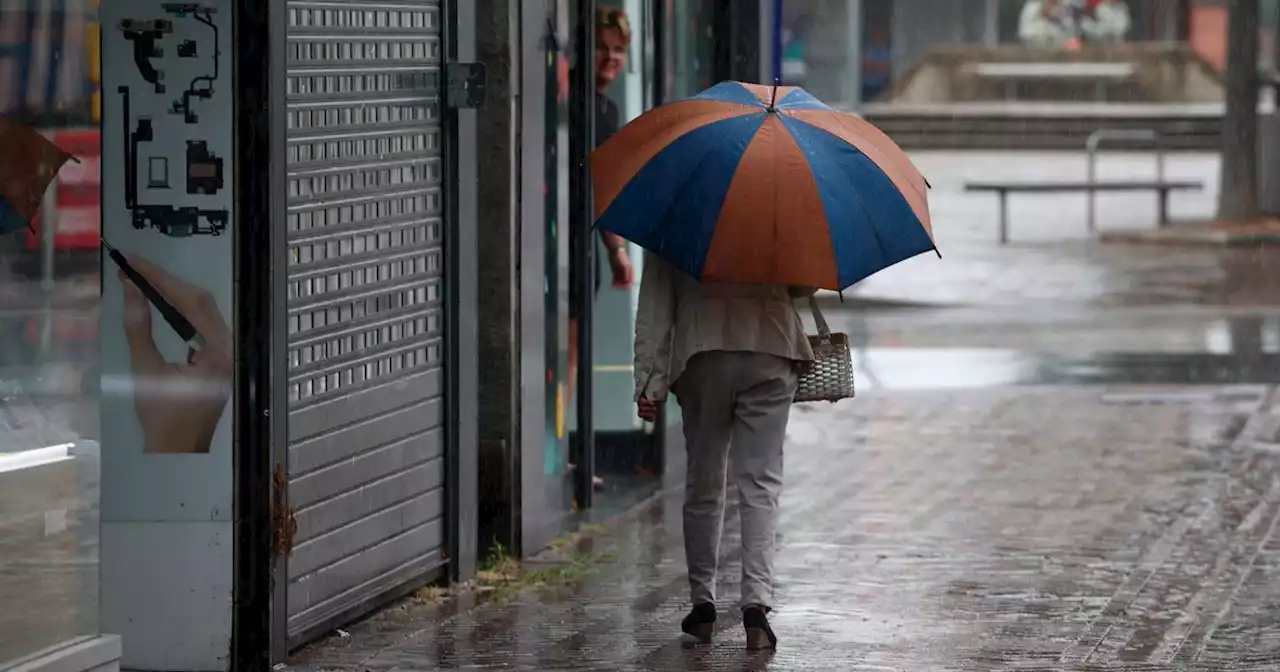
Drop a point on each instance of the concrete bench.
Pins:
(1003, 189)
(1087, 71)
(1013, 75)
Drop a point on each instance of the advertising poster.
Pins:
(166, 330)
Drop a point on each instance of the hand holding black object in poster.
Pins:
(178, 404)
(167, 434)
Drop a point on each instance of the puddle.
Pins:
(961, 368)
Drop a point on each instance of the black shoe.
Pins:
(759, 635)
(701, 621)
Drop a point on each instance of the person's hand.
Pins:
(647, 409)
(623, 271)
(178, 405)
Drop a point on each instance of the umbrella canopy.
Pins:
(759, 184)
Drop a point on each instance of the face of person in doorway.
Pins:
(611, 56)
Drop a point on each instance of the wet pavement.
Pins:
(1071, 461)
(1023, 489)
(1065, 456)
(1008, 528)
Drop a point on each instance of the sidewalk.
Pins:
(1131, 529)
(1052, 257)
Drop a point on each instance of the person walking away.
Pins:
(613, 37)
(732, 355)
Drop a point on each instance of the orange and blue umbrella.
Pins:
(760, 184)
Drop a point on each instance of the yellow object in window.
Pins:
(92, 41)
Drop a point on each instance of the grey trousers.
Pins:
(735, 404)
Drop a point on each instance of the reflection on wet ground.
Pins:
(1028, 528)
(1062, 485)
(1020, 490)
(985, 348)
(957, 368)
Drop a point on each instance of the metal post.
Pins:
(46, 332)
(1091, 146)
(853, 53)
(771, 38)
(1004, 217)
(583, 452)
(48, 232)
(1091, 149)
(1162, 195)
(991, 24)
(661, 52)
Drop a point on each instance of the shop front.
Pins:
(246, 418)
(50, 462)
(582, 454)
(265, 426)
(677, 48)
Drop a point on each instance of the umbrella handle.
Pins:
(824, 330)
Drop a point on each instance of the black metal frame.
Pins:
(736, 31)
(658, 10)
(582, 449)
(461, 432)
(255, 201)
(279, 292)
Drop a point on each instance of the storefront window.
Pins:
(619, 463)
(614, 313)
(556, 241)
(49, 382)
(823, 49)
(690, 47)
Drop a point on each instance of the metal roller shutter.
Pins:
(366, 302)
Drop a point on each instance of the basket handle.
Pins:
(824, 330)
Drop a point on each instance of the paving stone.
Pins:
(1003, 529)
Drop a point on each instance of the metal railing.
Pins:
(1091, 148)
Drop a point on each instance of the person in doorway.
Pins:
(612, 38)
(732, 355)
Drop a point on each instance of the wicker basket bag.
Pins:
(830, 376)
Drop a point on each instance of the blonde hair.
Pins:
(612, 18)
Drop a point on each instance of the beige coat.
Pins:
(679, 317)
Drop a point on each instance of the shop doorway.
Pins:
(371, 312)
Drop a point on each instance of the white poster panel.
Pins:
(167, 331)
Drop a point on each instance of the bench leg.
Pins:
(1004, 217)
(1163, 196)
(1091, 197)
